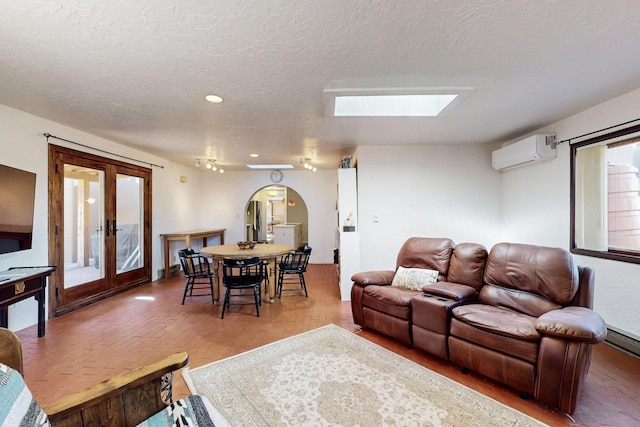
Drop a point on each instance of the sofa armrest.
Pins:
(573, 323)
(380, 278)
(126, 399)
(454, 291)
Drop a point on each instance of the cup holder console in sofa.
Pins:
(520, 315)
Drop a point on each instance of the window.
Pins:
(605, 196)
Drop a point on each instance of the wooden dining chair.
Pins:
(294, 264)
(198, 274)
(239, 275)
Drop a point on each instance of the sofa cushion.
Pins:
(497, 320)
(524, 302)
(467, 264)
(390, 300)
(414, 278)
(549, 272)
(425, 252)
(18, 407)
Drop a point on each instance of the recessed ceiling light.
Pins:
(213, 98)
(392, 105)
(270, 166)
(254, 155)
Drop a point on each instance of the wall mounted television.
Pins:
(17, 199)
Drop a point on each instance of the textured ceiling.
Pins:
(137, 71)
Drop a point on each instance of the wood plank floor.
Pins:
(145, 324)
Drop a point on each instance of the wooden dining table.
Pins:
(263, 251)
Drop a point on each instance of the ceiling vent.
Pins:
(533, 149)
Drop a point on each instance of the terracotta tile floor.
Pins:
(93, 343)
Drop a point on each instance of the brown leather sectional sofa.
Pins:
(520, 315)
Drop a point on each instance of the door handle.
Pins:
(111, 227)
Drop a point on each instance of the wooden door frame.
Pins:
(56, 228)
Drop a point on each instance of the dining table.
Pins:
(264, 251)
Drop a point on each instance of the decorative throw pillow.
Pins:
(18, 407)
(414, 278)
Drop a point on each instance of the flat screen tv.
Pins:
(17, 198)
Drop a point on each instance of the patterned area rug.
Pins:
(330, 376)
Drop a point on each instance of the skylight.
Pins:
(392, 105)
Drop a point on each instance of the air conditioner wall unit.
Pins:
(533, 149)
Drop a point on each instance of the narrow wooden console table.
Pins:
(20, 283)
(187, 236)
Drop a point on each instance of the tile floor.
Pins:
(95, 342)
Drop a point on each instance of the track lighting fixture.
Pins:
(211, 164)
(306, 163)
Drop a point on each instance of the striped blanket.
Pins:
(18, 409)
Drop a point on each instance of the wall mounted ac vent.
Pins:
(536, 148)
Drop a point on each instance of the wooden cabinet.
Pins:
(288, 234)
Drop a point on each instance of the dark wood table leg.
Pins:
(41, 298)
(4, 317)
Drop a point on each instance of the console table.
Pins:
(20, 283)
(187, 236)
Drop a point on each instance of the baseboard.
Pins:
(172, 270)
(623, 342)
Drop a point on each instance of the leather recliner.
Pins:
(532, 327)
(521, 316)
(387, 309)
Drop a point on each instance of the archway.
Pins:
(273, 207)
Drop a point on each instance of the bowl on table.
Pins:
(246, 245)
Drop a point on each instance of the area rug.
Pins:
(330, 376)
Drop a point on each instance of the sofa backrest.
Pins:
(531, 279)
(467, 265)
(426, 252)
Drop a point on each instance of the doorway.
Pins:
(275, 205)
(99, 227)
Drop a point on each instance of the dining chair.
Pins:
(294, 264)
(198, 273)
(239, 275)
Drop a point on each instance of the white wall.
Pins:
(536, 202)
(23, 146)
(224, 197)
(425, 190)
(206, 200)
(428, 190)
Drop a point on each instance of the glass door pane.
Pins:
(83, 220)
(129, 220)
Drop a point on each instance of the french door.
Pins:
(99, 227)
